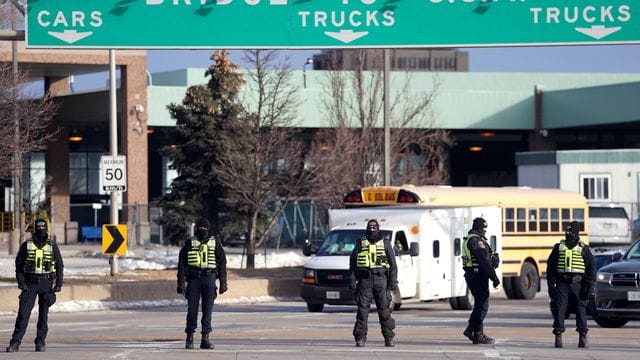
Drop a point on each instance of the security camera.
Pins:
(139, 108)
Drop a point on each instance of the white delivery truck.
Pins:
(428, 246)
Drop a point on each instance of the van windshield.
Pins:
(342, 242)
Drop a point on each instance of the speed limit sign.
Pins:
(113, 173)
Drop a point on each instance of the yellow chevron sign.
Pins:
(114, 239)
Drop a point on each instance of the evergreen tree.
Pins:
(200, 121)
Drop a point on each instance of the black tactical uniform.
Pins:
(200, 262)
(571, 275)
(373, 266)
(38, 267)
(479, 262)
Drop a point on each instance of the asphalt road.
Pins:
(285, 330)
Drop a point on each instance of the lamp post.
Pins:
(304, 71)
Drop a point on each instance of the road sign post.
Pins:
(329, 23)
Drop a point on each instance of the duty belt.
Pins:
(200, 272)
(570, 278)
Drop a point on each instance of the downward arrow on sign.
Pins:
(346, 36)
(70, 36)
(598, 31)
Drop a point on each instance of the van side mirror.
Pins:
(616, 257)
(414, 249)
(308, 248)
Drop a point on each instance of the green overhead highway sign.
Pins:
(328, 23)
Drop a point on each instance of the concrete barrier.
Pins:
(129, 291)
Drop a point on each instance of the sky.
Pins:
(572, 59)
(605, 58)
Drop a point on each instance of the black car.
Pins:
(617, 295)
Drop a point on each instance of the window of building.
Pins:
(84, 173)
(595, 187)
(456, 247)
(436, 249)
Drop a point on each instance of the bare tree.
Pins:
(349, 154)
(261, 160)
(24, 128)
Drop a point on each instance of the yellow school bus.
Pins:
(533, 220)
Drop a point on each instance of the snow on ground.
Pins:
(94, 305)
(153, 258)
(159, 258)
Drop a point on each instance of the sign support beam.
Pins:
(113, 122)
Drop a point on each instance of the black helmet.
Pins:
(479, 224)
(202, 223)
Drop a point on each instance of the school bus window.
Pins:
(456, 247)
(566, 217)
(555, 220)
(521, 220)
(578, 215)
(436, 249)
(509, 218)
(544, 220)
(532, 219)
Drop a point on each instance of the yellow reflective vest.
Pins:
(570, 261)
(39, 259)
(202, 255)
(371, 256)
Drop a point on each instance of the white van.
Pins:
(609, 225)
(428, 245)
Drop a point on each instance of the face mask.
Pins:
(372, 231)
(202, 233)
(571, 240)
(40, 232)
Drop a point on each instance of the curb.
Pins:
(156, 290)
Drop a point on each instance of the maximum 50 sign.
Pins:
(113, 173)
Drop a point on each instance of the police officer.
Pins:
(373, 268)
(39, 271)
(571, 276)
(201, 261)
(479, 262)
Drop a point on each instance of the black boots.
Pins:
(204, 343)
(188, 344)
(480, 338)
(388, 342)
(39, 346)
(558, 342)
(469, 334)
(13, 346)
(360, 342)
(582, 340)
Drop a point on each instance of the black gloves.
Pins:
(495, 260)
(180, 289)
(353, 285)
(392, 286)
(57, 288)
(223, 288)
(496, 283)
(586, 291)
(23, 286)
(552, 289)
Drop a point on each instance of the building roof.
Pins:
(473, 100)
